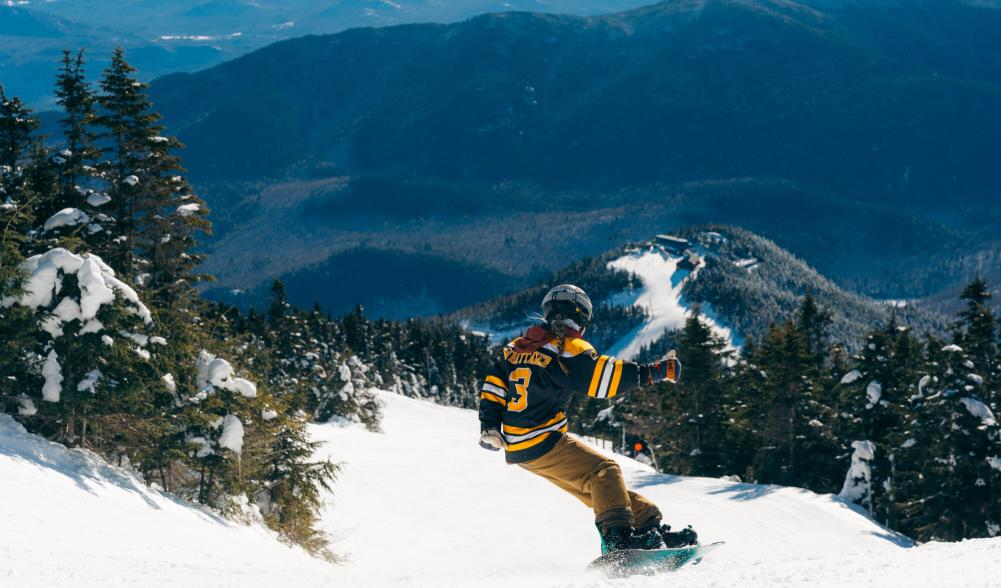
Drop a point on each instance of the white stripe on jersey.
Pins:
(606, 378)
(533, 434)
(488, 387)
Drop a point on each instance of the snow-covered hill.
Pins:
(68, 518)
(420, 504)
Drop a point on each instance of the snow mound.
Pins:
(98, 199)
(97, 281)
(851, 377)
(977, 408)
(66, 217)
(188, 209)
(217, 372)
(70, 518)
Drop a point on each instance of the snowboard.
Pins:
(631, 562)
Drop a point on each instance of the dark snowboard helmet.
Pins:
(567, 305)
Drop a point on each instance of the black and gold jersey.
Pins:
(527, 392)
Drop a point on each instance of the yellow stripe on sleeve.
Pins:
(497, 382)
(573, 346)
(616, 376)
(596, 378)
(493, 398)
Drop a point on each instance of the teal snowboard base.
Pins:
(631, 562)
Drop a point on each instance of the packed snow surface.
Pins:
(457, 515)
(420, 504)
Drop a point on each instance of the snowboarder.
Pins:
(523, 405)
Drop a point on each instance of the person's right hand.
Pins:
(667, 369)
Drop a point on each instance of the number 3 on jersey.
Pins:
(520, 378)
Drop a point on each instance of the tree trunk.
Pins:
(70, 429)
(792, 438)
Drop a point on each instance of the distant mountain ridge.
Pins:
(741, 283)
(187, 35)
(793, 119)
(857, 135)
(680, 90)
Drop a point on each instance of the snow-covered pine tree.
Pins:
(348, 393)
(976, 331)
(877, 395)
(15, 321)
(961, 441)
(215, 420)
(17, 125)
(290, 500)
(90, 354)
(858, 480)
(17, 219)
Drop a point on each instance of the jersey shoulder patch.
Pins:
(574, 347)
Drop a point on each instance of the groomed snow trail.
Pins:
(422, 505)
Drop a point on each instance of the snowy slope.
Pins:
(66, 517)
(422, 505)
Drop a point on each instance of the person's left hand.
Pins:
(493, 440)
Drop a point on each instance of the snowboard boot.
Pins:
(619, 538)
(682, 538)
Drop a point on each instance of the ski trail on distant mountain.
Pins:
(661, 299)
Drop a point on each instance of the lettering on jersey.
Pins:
(535, 358)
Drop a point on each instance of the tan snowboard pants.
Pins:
(596, 481)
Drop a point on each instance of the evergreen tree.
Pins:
(789, 398)
(683, 423)
(79, 181)
(877, 394)
(976, 332)
(77, 99)
(157, 214)
(17, 125)
(16, 321)
(18, 202)
(293, 481)
(813, 323)
(957, 496)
